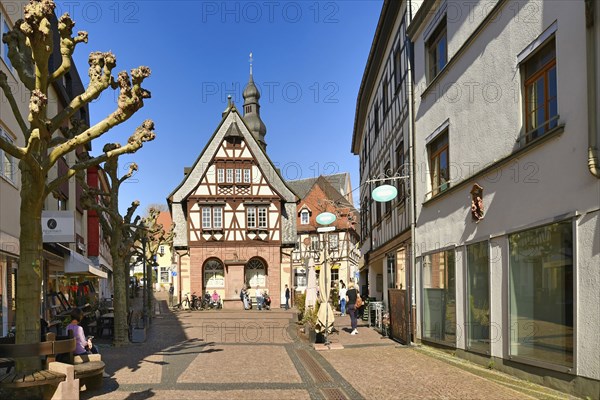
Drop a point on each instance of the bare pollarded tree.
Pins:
(154, 235)
(121, 232)
(30, 46)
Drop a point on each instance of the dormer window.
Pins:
(304, 217)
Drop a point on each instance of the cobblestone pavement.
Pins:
(260, 355)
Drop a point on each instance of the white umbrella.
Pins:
(325, 316)
(311, 285)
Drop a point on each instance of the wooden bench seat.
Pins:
(36, 378)
(47, 378)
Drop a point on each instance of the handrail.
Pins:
(527, 134)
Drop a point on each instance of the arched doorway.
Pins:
(213, 274)
(256, 273)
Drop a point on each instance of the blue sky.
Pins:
(309, 58)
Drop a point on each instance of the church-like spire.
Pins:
(252, 110)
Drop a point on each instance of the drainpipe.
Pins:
(591, 13)
(411, 282)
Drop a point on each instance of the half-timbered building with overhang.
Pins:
(233, 211)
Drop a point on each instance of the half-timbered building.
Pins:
(338, 246)
(233, 211)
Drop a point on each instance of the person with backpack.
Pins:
(352, 296)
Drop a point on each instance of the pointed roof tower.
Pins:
(252, 110)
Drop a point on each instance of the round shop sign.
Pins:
(326, 218)
(384, 193)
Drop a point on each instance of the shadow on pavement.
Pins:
(164, 336)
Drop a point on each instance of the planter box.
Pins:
(314, 337)
(138, 335)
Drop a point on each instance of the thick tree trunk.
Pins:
(121, 337)
(29, 275)
(148, 286)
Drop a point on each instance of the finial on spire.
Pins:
(251, 59)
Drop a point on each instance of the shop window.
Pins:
(541, 294)
(439, 298)
(478, 297)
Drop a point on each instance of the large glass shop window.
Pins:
(439, 297)
(541, 294)
(478, 296)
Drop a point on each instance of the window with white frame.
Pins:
(4, 28)
(314, 242)
(220, 175)
(304, 217)
(251, 217)
(229, 175)
(333, 241)
(206, 218)
(247, 178)
(214, 275)
(8, 164)
(238, 175)
(217, 218)
(212, 217)
(262, 217)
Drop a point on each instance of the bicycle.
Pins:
(185, 301)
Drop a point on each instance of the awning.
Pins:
(80, 265)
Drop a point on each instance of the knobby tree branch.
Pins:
(67, 44)
(144, 133)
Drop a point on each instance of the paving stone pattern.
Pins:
(260, 355)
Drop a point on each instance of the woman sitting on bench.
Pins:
(83, 344)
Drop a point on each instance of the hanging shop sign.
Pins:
(58, 226)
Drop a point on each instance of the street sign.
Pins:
(173, 273)
(326, 229)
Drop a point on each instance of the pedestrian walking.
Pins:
(259, 298)
(342, 297)
(287, 297)
(351, 296)
(171, 293)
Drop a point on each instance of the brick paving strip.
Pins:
(235, 355)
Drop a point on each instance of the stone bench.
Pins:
(54, 380)
(88, 368)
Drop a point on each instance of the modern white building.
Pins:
(507, 239)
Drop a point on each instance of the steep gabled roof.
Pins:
(232, 124)
(302, 186)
